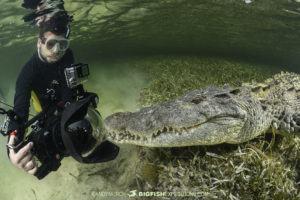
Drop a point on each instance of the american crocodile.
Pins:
(212, 115)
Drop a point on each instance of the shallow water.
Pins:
(110, 36)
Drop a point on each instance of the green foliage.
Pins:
(173, 76)
(251, 170)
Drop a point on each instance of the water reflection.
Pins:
(265, 30)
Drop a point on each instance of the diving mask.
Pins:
(57, 42)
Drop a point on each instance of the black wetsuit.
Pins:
(39, 77)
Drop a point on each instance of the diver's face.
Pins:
(51, 47)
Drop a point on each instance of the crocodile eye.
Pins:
(197, 100)
(235, 91)
(223, 95)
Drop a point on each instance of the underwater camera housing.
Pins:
(73, 133)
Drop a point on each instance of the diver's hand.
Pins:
(23, 159)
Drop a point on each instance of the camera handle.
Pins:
(18, 140)
(51, 164)
(14, 117)
(47, 165)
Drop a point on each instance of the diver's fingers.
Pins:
(23, 152)
(11, 139)
(26, 160)
(29, 165)
(22, 159)
(11, 142)
(32, 171)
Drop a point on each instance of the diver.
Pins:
(41, 74)
(67, 123)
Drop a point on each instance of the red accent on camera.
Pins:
(14, 132)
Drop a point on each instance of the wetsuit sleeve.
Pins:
(22, 96)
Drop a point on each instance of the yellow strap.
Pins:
(36, 103)
(37, 106)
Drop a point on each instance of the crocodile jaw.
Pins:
(201, 117)
(210, 132)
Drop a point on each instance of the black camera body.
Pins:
(71, 132)
(47, 145)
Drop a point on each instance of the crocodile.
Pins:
(211, 115)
